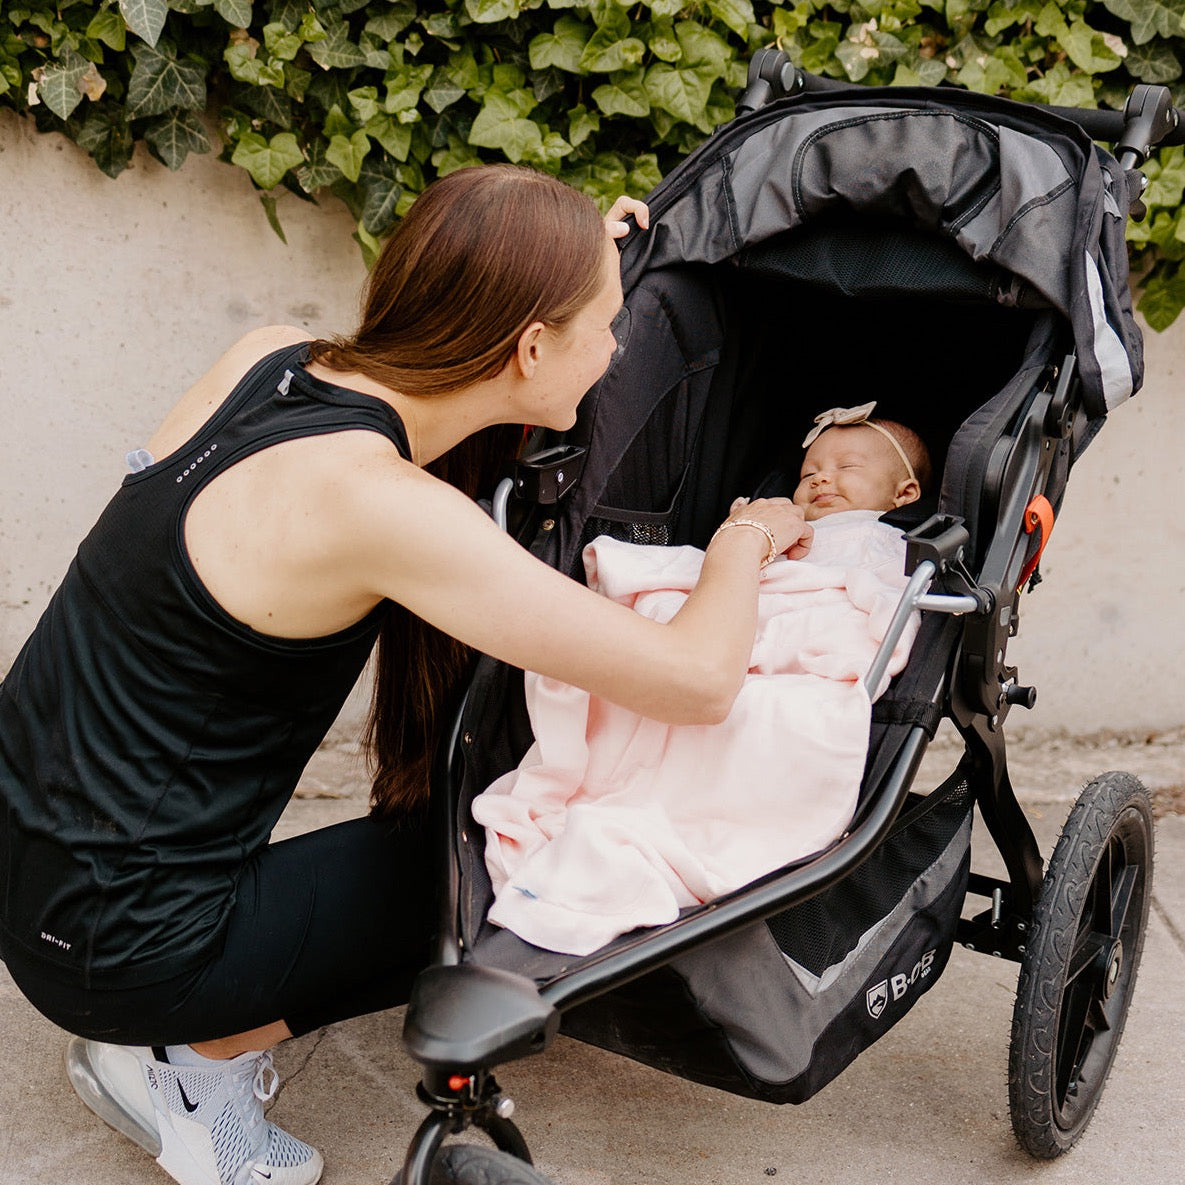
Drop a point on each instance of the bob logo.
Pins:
(877, 997)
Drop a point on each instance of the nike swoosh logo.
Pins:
(190, 1107)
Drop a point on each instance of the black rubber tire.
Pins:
(1075, 983)
(473, 1164)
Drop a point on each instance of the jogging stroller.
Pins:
(794, 254)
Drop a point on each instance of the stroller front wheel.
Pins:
(473, 1164)
(1078, 973)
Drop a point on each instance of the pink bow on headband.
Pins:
(839, 417)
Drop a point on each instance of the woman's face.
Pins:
(573, 356)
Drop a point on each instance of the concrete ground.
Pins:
(927, 1103)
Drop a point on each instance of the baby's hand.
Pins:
(626, 205)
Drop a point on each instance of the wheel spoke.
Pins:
(1075, 1036)
(1099, 900)
(1087, 949)
(1121, 898)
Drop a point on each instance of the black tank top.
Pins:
(148, 740)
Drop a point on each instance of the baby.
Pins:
(854, 462)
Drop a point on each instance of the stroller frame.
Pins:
(465, 1019)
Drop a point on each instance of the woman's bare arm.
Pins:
(444, 559)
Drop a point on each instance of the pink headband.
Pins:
(850, 417)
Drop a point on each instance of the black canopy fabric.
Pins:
(1011, 184)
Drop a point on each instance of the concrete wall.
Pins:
(114, 296)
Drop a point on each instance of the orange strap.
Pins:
(1038, 513)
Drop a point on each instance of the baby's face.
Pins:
(852, 468)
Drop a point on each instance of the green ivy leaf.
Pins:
(378, 55)
(281, 44)
(268, 202)
(662, 41)
(624, 94)
(487, 11)
(389, 24)
(336, 51)
(501, 124)
(1153, 62)
(442, 91)
(611, 47)
(317, 172)
(458, 155)
(920, 71)
(582, 123)
(160, 81)
(246, 66)
(1163, 298)
(107, 136)
(267, 160)
(381, 192)
(683, 91)
(404, 87)
(369, 244)
(60, 83)
(703, 47)
(348, 153)
(171, 138)
(266, 103)
(392, 136)
(1149, 17)
(736, 14)
(235, 12)
(1003, 14)
(145, 18)
(1087, 49)
(644, 176)
(1166, 178)
(288, 13)
(562, 47)
(108, 27)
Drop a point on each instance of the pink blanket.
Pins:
(614, 821)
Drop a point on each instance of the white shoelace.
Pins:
(255, 1083)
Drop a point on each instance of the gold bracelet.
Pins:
(752, 522)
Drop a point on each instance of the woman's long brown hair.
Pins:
(482, 254)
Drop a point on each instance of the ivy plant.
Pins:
(366, 101)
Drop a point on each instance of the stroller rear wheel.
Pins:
(1077, 976)
(473, 1164)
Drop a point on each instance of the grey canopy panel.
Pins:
(1039, 203)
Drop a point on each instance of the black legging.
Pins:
(328, 925)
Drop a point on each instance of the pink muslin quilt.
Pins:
(614, 821)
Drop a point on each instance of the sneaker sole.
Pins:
(94, 1095)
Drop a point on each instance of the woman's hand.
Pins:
(792, 533)
(626, 205)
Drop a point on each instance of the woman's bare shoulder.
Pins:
(207, 394)
(258, 343)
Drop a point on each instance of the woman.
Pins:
(212, 623)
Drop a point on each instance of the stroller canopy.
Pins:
(1012, 185)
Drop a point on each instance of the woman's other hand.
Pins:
(792, 533)
(626, 205)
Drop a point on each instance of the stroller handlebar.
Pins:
(1147, 120)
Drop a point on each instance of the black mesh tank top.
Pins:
(148, 740)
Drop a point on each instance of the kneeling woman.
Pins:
(301, 499)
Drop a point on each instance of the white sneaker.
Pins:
(205, 1126)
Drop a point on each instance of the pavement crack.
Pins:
(1174, 930)
(296, 1071)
